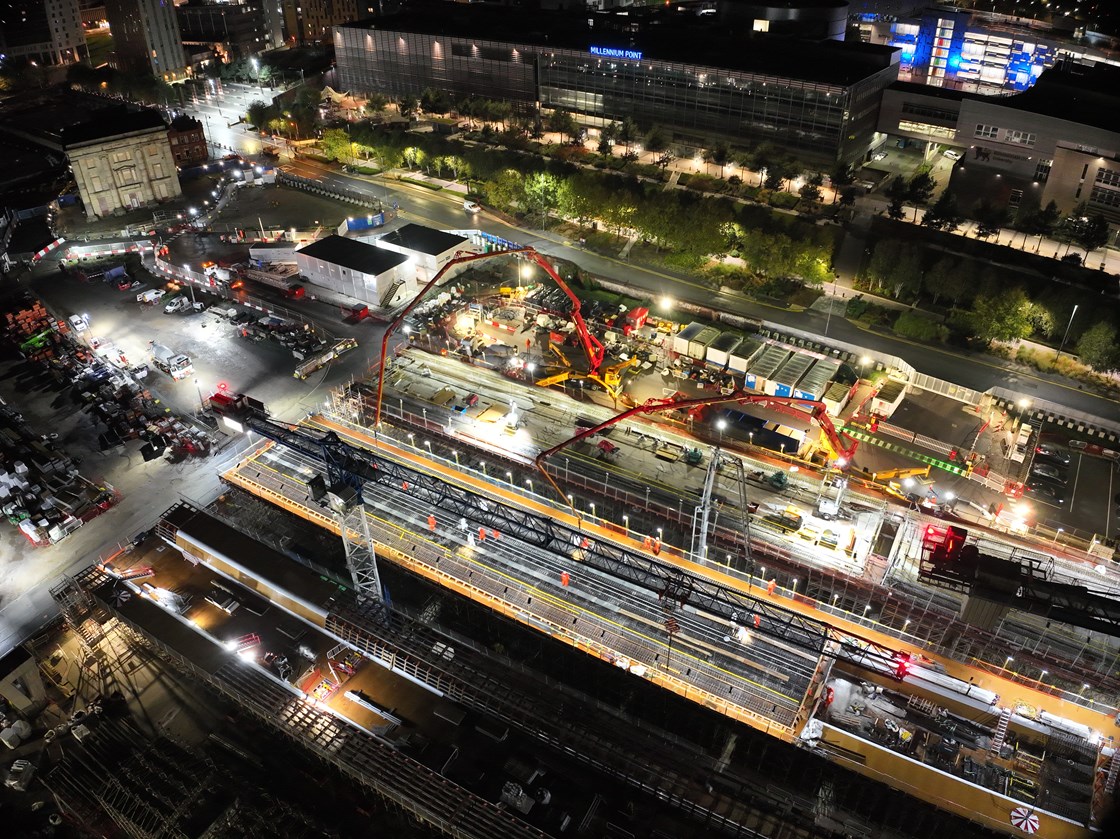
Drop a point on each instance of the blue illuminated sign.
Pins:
(613, 52)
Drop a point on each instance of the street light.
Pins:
(863, 362)
(455, 452)
(1023, 405)
(482, 463)
(721, 424)
(1062, 346)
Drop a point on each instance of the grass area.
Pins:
(784, 200)
(100, 43)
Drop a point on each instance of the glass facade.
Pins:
(816, 121)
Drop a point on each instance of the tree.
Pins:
(656, 140)
(848, 197)
(895, 210)
(409, 106)
(944, 214)
(506, 189)
(896, 190)
(258, 113)
(335, 144)
(541, 193)
(564, 124)
(906, 274)
(940, 276)
(1002, 316)
(1092, 233)
(919, 189)
(664, 159)
(842, 174)
(435, 101)
(810, 194)
(606, 145)
(989, 218)
(1097, 347)
(718, 155)
(884, 257)
(628, 132)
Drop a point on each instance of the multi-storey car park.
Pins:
(716, 634)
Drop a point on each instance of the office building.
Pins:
(980, 52)
(45, 31)
(146, 38)
(232, 30)
(310, 21)
(1059, 140)
(698, 79)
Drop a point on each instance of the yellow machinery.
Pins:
(609, 377)
(899, 474)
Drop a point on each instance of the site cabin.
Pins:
(635, 319)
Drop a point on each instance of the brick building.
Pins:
(188, 141)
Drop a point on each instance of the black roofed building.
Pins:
(697, 77)
(426, 249)
(373, 275)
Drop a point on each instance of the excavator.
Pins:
(610, 378)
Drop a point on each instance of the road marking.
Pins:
(1108, 503)
(1076, 475)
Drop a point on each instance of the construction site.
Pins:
(562, 566)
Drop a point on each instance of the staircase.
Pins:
(1113, 772)
(391, 292)
(1001, 732)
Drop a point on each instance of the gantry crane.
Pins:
(347, 472)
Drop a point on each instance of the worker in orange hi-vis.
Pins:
(482, 534)
(493, 534)
(771, 587)
(647, 543)
(431, 522)
(565, 578)
(757, 621)
(656, 547)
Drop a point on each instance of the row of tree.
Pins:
(989, 303)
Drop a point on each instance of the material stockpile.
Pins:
(41, 491)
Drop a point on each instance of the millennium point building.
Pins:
(695, 76)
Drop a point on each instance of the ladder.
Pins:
(391, 292)
(1001, 732)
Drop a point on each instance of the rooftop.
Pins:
(355, 255)
(58, 117)
(428, 240)
(662, 34)
(1080, 93)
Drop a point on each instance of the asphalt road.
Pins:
(972, 370)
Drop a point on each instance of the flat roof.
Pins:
(417, 237)
(258, 559)
(1081, 93)
(59, 117)
(352, 254)
(662, 34)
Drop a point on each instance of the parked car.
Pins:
(1052, 453)
(19, 776)
(127, 284)
(79, 323)
(179, 304)
(879, 155)
(472, 206)
(952, 154)
(1049, 471)
(1046, 489)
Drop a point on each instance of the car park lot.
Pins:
(1090, 483)
(214, 343)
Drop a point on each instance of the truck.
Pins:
(149, 296)
(282, 277)
(174, 364)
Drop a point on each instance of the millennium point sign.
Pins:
(614, 52)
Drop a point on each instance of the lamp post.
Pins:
(721, 424)
(1062, 346)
